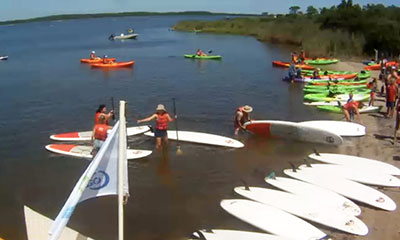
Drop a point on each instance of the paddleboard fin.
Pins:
(151, 128)
(246, 186)
(327, 237)
(316, 152)
(271, 175)
(201, 235)
(294, 168)
(308, 164)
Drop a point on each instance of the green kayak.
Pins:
(337, 91)
(324, 97)
(321, 61)
(343, 82)
(203, 57)
(361, 75)
(336, 87)
(337, 109)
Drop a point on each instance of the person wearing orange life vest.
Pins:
(200, 53)
(295, 58)
(162, 119)
(102, 111)
(99, 134)
(93, 55)
(351, 106)
(242, 115)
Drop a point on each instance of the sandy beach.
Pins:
(377, 144)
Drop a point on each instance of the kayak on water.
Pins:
(322, 97)
(286, 64)
(3, 57)
(321, 61)
(203, 57)
(113, 64)
(96, 60)
(337, 109)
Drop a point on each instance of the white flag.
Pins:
(99, 179)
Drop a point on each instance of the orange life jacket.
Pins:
(100, 132)
(96, 119)
(162, 121)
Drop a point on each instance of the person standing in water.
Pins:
(242, 115)
(99, 134)
(162, 119)
(102, 111)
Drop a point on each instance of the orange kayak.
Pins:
(373, 67)
(113, 64)
(336, 76)
(96, 60)
(286, 64)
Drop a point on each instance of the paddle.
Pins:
(112, 105)
(178, 147)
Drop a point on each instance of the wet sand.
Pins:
(377, 144)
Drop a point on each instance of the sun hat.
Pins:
(160, 107)
(93, 52)
(247, 109)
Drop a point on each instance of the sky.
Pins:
(22, 9)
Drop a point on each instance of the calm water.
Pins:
(45, 90)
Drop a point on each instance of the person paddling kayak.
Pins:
(242, 115)
(162, 119)
(200, 53)
(93, 55)
(106, 60)
(99, 134)
(102, 111)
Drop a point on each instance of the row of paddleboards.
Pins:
(319, 193)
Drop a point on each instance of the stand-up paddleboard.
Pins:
(355, 174)
(344, 129)
(313, 211)
(345, 187)
(271, 219)
(314, 193)
(202, 138)
(291, 130)
(85, 151)
(86, 136)
(356, 162)
(329, 103)
(222, 234)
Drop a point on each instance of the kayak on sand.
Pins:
(286, 64)
(337, 109)
(321, 97)
(113, 64)
(321, 61)
(203, 57)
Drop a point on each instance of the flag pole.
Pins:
(121, 172)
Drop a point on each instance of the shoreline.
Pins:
(376, 144)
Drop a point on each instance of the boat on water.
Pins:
(3, 57)
(123, 36)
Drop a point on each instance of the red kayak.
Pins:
(113, 64)
(286, 64)
(378, 66)
(96, 60)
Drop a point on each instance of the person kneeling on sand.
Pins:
(160, 132)
(242, 115)
(351, 107)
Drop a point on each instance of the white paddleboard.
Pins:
(292, 130)
(344, 129)
(347, 188)
(85, 151)
(271, 219)
(356, 162)
(202, 138)
(87, 135)
(313, 193)
(222, 234)
(331, 103)
(361, 176)
(313, 211)
(356, 97)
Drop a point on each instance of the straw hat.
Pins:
(160, 107)
(247, 109)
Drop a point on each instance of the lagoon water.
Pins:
(45, 90)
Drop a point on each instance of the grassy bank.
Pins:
(122, 14)
(299, 32)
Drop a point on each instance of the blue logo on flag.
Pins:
(99, 180)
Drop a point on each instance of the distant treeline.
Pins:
(122, 14)
(343, 30)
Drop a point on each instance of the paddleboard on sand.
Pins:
(222, 234)
(345, 187)
(357, 163)
(291, 130)
(271, 219)
(361, 176)
(202, 138)
(313, 193)
(86, 136)
(85, 151)
(313, 211)
(344, 129)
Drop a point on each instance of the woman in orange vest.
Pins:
(242, 116)
(102, 111)
(99, 134)
(162, 119)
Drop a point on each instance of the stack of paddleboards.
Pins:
(316, 193)
(83, 151)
